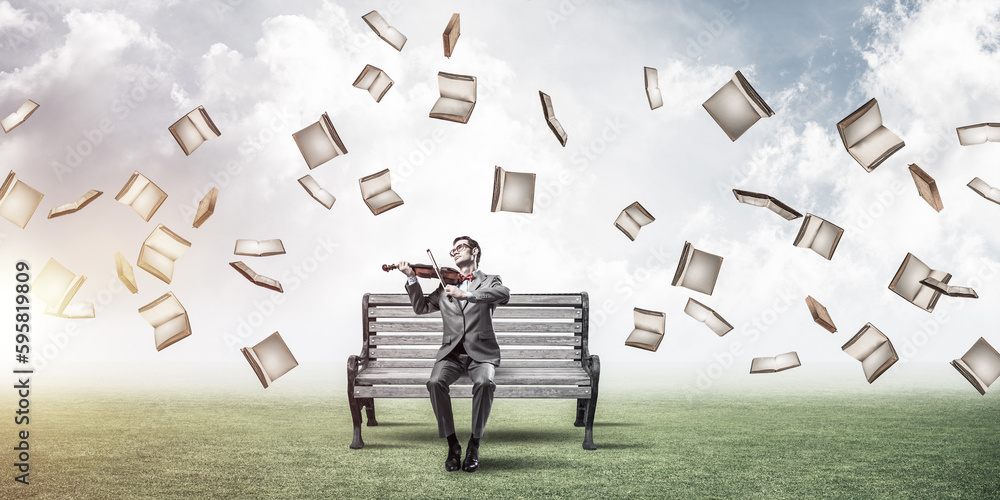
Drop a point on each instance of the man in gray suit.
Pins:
(468, 345)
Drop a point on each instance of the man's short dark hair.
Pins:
(472, 244)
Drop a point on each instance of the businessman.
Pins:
(468, 345)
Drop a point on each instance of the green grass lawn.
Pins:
(936, 445)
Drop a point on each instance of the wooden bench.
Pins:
(544, 354)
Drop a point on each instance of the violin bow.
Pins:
(437, 269)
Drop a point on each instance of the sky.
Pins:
(111, 76)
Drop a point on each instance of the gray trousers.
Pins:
(445, 373)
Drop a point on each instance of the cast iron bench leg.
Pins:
(581, 412)
(356, 443)
(369, 404)
(588, 436)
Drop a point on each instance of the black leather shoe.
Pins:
(471, 463)
(451, 464)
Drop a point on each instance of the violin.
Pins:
(451, 275)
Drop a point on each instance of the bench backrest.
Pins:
(533, 330)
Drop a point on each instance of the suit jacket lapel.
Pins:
(478, 282)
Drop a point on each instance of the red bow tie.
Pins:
(468, 277)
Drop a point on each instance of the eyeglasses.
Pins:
(461, 247)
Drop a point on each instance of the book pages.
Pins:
(206, 207)
(736, 107)
(319, 142)
(820, 315)
(270, 358)
(318, 193)
(708, 316)
(697, 270)
(775, 364)
(631, 219)
(766, 201)
(985, 190)
(949, 290)
(125, 273)
(865, 138)
(643, 339)
(649, 329)
(978, 134)
(76, 310)
(980, 365)
(391, 35)
(18, 200)
(907, 282)
(451, 33)
(550, 118)
(819, 235)
(75, 206)
(458, 97)
(159, 252)
(513, 191)
(873, 349)
(56, 286)
(168, 318)
(142, 195)
(878, 361)
(18, 117)
(927, 187)
(193, 129)
(652, 81)
(262, 248)
(375, 81)
(376, 190)
(257, 279)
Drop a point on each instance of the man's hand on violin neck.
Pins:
(405, 268)
(454, 291)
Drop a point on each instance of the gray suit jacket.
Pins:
(473, 326)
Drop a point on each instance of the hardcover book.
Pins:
(697, 270)
(262, 248)
(707, 315)
(18, 200)
(949, 290)
(142, 195)
(649, 329)
(458, 97)
(819, 235)
(317, 192)
(451, 33)
(270, 359)
(907, 283)
(513, 191)
(168, 318)
(985, 190)
(926, 187)
(125, 273)
(75, 206)
(257, 279)
(18, 117)
(376, 190)
(978, 134)
(980, 365)
(631, 219)
(774, 364)
(193, 129)
(768, 202)
(378, 24)
(820, 315)
(159, 252)
(319, 142)
(737, 106)
(206, 207)
(873, 349)
(375, 81)
(866, 139)
(551, 120)
(652, 81)
(56, 286)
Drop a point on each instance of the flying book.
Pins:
(193, 129)
(774, 364)
(980, 366)
(927, 187)
(652, 81)
(257, 279)
(631, 219)
(374, 80)
(451, 33)
(820, 315)
(318, 193)
(951, 291)
(56, 286)
(16, 118)
(551, 120)
(706, 315)
(872, 348)
(458, 97)
(206, 207)
(985, 190)
(270, 358)
(125, 273)
(18, 200)
(907, 283)
(142, 195)
(697, 270)
(168, 319)
(737, 106)
(262, 248)
(978, 134)
(649, 329)
(768, 202)
(376, 190)
(865, 138)
(819, 235)
(319, 142)
(391, 35)
(161, 248)
(75, 206)
(513, 191)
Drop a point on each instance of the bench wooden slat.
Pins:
(384, 352)
(465, 391)
(526, 340)
(503, 376)
(502, 312)
(499, 326)
(513, 363)
(401, 299)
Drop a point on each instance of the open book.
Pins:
(631, 219)
(985, 190)
(168, 319)
(649, 329)
(262, 248)
(378, 24)
(193, 129)
(16, 118)
(270, 358)
(697, 270)
(317, 192)
(872, 348)
(820, 315)
(56, 286)
(75, 206)
(374, 80)
(551, 120)
(206, 207)
(980, 366)
(927, 187)
(513, 191)
(142, 195)
(737, 106)
(319, 142)
(18, 200)
(161, 248)
(951, 291)
(451, 33)
(766, 201)
(76, 310)
(978, 134)
(652, 80)
(458, 97)
(819, 235)
(775, 364)
(376, 190)
(907, 283)
(125, 273)
(706, 315)
(865, 138)
(257, 279)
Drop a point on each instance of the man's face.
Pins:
(462, 252)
